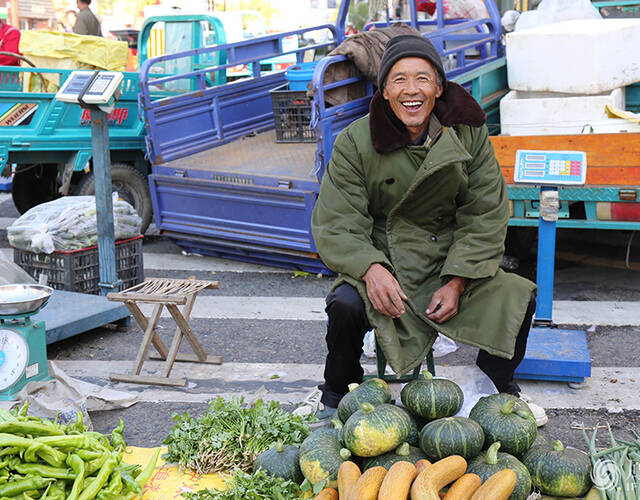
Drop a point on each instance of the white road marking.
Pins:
(5, 222)
(608, 387)
(565, 312)
(168, 261)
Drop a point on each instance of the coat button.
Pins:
(434, 237)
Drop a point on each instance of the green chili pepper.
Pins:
(14, 488)
(41, 470)
(77, 464)
(9, 450)
(117, 440)
(56, 492)
(113, 489)
(95, 465)
(47, 453)
(30, 454)
(81, 441)
(88, 455)
(22, 411)
(30, 428)
(77, 426)
(103, 475)
(101, 439)
(130, 483)
(146, 473)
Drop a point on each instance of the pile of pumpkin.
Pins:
(419, 449)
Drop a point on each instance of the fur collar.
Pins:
(454, 107)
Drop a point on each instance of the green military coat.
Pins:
(426, 213)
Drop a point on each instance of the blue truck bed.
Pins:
(220, 183)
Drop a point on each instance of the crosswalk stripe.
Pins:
(290, 383)
(565, 312)
(5, 222)
(166, 261)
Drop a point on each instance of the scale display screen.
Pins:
(550, 167)
(94, 87)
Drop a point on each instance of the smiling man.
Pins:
(412, 215)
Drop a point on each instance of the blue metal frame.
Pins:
(240, 218)
(59, 132)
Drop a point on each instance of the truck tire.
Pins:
(130, 185)
(33, 185)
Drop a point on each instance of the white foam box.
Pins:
(588, 56)
(547, 113)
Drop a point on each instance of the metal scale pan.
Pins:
(23, 343)
(23, 300)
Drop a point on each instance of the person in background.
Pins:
(9, 42)
(86, 23)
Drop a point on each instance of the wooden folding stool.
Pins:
(169, 293)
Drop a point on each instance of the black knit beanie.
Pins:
(409, 46)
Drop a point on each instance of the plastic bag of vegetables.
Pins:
(69, 223)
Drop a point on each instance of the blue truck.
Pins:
(48, 143)
(225, 181)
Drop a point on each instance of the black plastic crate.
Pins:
(292, 115)
(79, 270)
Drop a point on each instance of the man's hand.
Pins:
(444, 303)
(384, 291)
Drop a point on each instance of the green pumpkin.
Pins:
(486, 465)
(414, 433)
(404, 452)
(539, 441)
(374, 390)
(375, 430)
(451, 436)
(507, 419)
(432, 398)
(281, 461)
(321, 455)
(559, 471)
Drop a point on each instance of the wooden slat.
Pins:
(144, 324)
(192, 358)
(150, 299)
(145, 379)
(186, 331)
(148, 335)
(612, 159)
(177, 336)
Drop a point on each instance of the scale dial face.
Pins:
(14, 356)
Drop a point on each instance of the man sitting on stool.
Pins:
(413, 214)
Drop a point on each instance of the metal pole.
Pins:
(546, 264)
(104, 204)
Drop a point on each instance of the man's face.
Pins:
(411, 89)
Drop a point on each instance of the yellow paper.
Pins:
(71, 51)
(167, 482)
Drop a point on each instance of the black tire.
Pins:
(131, 186)
(33, 185)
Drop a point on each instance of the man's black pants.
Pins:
(346, 329)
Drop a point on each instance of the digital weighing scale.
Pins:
(23, 344)
(552, 354)
(98, 91)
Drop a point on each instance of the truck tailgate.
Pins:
(247, 198)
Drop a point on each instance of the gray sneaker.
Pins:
(313, 405)
(537, 410)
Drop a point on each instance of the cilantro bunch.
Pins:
(230, 435)
(258, 486)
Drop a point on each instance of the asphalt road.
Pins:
(591, 268)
